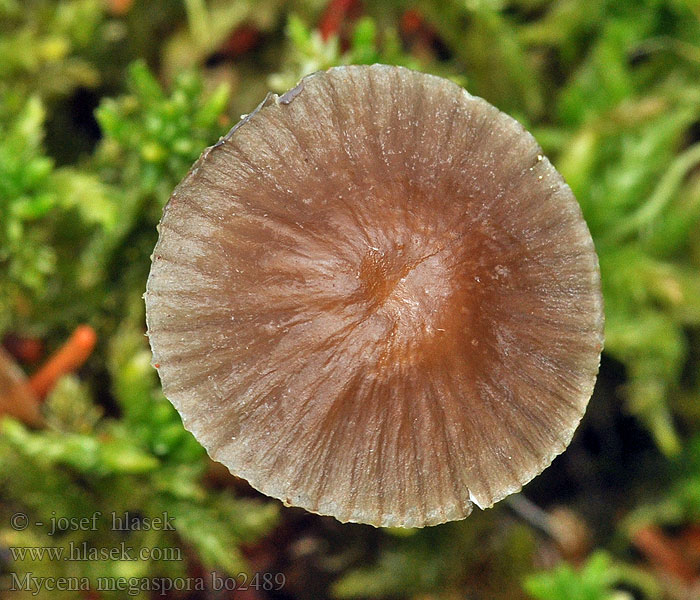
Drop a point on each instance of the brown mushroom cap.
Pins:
(377, 300)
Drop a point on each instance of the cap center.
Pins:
(410, 292)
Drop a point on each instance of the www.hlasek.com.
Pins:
(84, 552)
(133, 586)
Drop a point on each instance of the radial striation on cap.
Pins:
(376, 299)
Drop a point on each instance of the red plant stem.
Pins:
(27, 350)
(66, 359)
(661, 552)
(334, 15)
(243, 39)
(411, 22)
(691, 539)
(119, 7)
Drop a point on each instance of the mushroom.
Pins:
(376, 299)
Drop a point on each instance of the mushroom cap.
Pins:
(377, 300)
